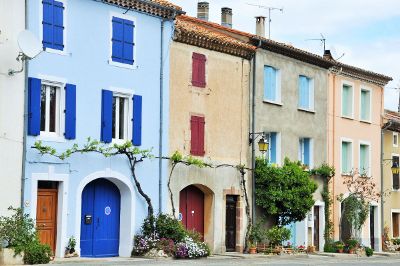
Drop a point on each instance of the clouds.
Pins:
(367, 31)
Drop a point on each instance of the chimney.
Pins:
(202, 10)
(226, 17)
(260, 26)
(328, 55)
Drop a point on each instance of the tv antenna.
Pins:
(269, 15)
(322, 40)
(397, 89)
(30, 48)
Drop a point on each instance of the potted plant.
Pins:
(339, 246)
(256, 236)
(311, 249)
(276, 235)
(352, 244)
(70, 249)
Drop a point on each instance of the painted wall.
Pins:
(392, 200)
(12, 22)
(85, 64)
(224, 104)
(353, 129)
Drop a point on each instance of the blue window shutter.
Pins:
(106, 116)
(304, 92)
(128, 42)
(117, 39)
(70, 111)
(306, 143)
(58, 26)
(48, 38)
(137, 120)
(34, 88)
(273, 148)
(270, 83)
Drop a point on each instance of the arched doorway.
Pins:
(191, 206)
(100, 219)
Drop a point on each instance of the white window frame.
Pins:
(395, 134)
(341, 155)
(65, 21)
(364, 88)
(110, 61)
(391, 219)
(351, 84)
(278, 146)
(391, 175)
(128, 94)
(301, 153)
(366, 143)
(278, 90)
(311, 98)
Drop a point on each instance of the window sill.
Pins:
(50, 138)
(306, 110)
(346, 174)
(395, 190)
(59, 52)
(273, 103)
(119, 141)
(121, 65)
(365, 121)
(347, 117)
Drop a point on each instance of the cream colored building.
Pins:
(12, 22)
(355, 112)
(391, 182)
(209, 119)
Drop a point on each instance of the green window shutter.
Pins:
(365, 105)
(347, 101)
(364, 159)
(346, 156)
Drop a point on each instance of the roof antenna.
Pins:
(322, 40)
(269, 15)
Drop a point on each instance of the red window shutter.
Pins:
(194, 135)
(199, 70)
(201, 136)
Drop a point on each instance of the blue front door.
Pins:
(100, 219)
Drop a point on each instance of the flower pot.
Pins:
(351, 251)
(253, 250)
(340, 250)
(311, 249)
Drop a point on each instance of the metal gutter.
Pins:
(160, 143)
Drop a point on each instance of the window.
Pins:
(347, 157)
(272, 91)
(197, 124)
(50, 109)
(347, 101)
(364, 167)
(365, 105)
(53, 24)
(306, 93)
(199, 70)
(274, 148)
(305, 151)
(396, 181)
(120, 117)
(395, 139)
(122, 41)
(395, 224)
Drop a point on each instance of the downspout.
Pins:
(25, 126)
(253, 126)
(382, 189)
(160, 143)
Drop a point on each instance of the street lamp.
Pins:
(395, 168)
(263, 145)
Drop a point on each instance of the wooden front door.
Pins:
(46, 216)
(191, 206)
(230, 223)
(395, 225)
(316, 227)
(372, 226)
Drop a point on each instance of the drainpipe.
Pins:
(253, 126)
(160, 143)
(382, 189)
(25, 126)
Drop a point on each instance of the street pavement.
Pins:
(233, 261)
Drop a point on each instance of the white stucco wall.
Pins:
(12, 21)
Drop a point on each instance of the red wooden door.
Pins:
(191, 205)
(46, 216)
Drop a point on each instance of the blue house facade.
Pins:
(104, 75)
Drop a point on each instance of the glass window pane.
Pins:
(114, 116)
(53, 109)
(121, 118)
(43, 109)
(345, 157)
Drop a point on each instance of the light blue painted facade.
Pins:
(85, 64)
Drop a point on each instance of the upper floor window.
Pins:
(197, 127)
(120, 117)
(199, 70)
(274, 147)
(365, 105)
(53, 24)
(306, 93)
(50, 108)
(364, 167)
(347, 101)
(395, 139)
(347, 157)
(122, 41)
(272, 90)
(396, 177)
(305, 151)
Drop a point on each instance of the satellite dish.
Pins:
(29, 44)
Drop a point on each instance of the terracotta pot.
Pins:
(311, 249)
(351, 251)
(340, 250)
(253, 250)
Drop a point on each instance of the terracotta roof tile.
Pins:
(160, 8)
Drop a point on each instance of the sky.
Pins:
(364, 33)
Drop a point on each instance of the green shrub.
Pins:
(257, 233)
(276, 235)
(369, 251)
(352, 243)
(338, 245)
(396, 241)
(37, 253)
(170, 228)
(329, 247)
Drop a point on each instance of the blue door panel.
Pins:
(101, 237)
